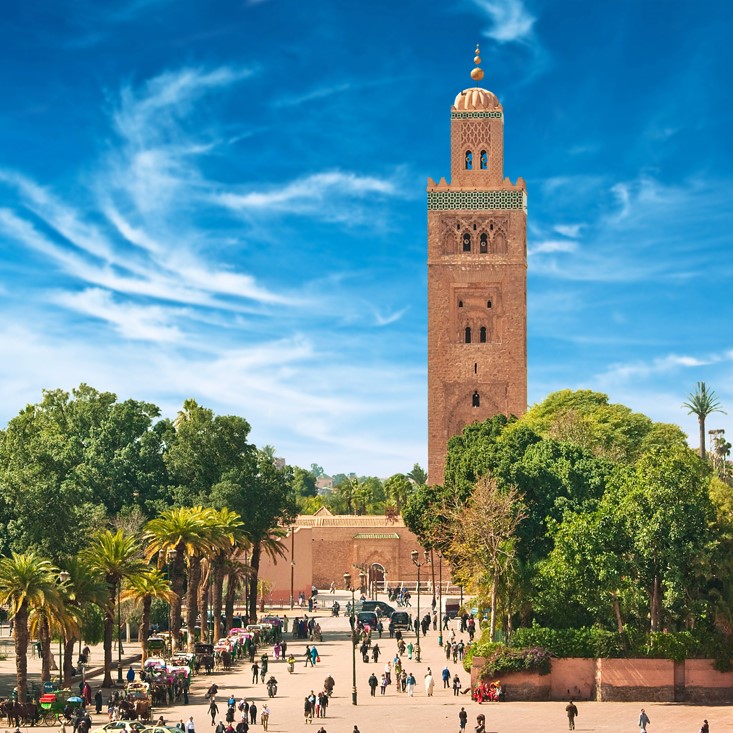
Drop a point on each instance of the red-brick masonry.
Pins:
(619, 680)
(325, 546)
(477, 281)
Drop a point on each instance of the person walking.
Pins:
(253, 713)
(705, 728)
(445, 674)
(373, 682)
(462, 719)
(383, 685)
(220, 728)
(190, 726)
(308, 657)
(265, 716)
(643, 721)
(213, 710)
(429, 684)
(410, 681)
(255, 673)
(456, 685)
(307, 710)
(572, 711)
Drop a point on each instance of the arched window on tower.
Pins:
(467, 334)
(475, 400)
(488, 304)
(460, 304)
(484, 160)
(466, 242)
(484, 243)
(469, 160)
(482, 335)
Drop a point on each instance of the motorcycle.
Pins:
(272, 689)
(291, 666)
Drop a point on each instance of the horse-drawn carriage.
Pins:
(136, 704)
(158, 645)
(53, 707)
(204, 654)
(19, 713)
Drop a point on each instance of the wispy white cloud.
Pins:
(136, 322)
(660, 365)
(569, 230)
(510, 20)
(320, 195)
(552, 246)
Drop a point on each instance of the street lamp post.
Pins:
(119, 634)
(292, 567)
(440, 599)
(349, 587)
(418, 565)
(63, 578)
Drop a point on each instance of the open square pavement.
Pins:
(395, 712)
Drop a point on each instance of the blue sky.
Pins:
(226, 200)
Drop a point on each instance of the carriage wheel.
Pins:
(49, 718)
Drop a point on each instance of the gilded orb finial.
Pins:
(478, 73)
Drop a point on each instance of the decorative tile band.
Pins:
(476, 200)
(476, 115)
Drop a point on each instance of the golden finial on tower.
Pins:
(478, 73)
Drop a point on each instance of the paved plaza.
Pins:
(396, 711)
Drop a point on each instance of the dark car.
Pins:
(400, 620)
(385, 610)
(367, 618)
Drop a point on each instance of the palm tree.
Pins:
(143, 589)
(27, 582)
(702, 402)
(178, 534)
(84, 588)
(237, 571)
(117, 557)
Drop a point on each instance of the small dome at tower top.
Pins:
(476, 98)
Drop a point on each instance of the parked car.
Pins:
(368, 618)
(400, 620)
(385, 610)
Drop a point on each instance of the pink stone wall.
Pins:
(628, 680)
(277, 571)
(572, 678)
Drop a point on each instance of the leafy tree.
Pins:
(206, 447)
(27, 582)
(702, 402)
(81, 451)
(317, 470)
(482, 533)
(665, 506)
(304, 484)
(588, 420)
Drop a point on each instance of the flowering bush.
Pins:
(505, 659)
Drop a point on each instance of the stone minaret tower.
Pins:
(477, 279)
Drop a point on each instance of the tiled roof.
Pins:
(349, 520)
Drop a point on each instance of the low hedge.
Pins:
(594, 642)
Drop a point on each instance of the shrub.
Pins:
(503, 659)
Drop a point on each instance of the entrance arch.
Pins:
(377, 574)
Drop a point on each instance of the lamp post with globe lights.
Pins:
(414, 555)
(350, 587)
(63, 579)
